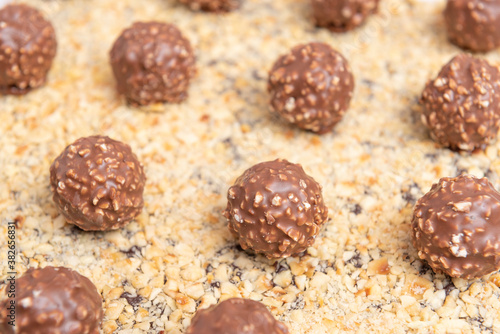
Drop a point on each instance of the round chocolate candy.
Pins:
(27, 47)
(236, 316)
(342, 15)
(98, 183)
(473, 24)
(54, 300)
(461, 106)
(152, 63)
(212, 5)
(276, 209)
(311, 87)
(456, 227)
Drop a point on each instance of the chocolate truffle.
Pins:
(27, 47)
(456, 227)
(54, 300)
(473, 24)
(213, 5)
(342, 15)
(152, 63)
(311, 87)
(98, 183)
(236, 316)
(461, 106)
(276, 209)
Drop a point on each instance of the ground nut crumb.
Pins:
(379, 162)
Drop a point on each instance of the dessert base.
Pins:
(362, 274)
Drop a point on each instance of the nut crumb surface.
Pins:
(362, 273)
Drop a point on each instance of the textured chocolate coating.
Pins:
(342, 15)
(54, 300)
(276, 209)
(311, 87)
(236, 316)
(152, 62)
(461, 106)
(456, 227)
(98, 183)
(473, 24)
(27, 48)
(217, 6)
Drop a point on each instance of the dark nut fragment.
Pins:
(27, 48)
(461, 106)
(342, 15)
(98, 183)
(54, 300)
(473, 24)
(236, 316)
(213, 5)
(311, 87)
(276, 209)
(152, 63)
(456, 227)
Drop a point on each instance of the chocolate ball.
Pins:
(311, 87)
(461, 106)
(152, 63)
(54, 300)
(27, 47)
(456, 227)
(342, 15)
(473, 24)
(98, 183)
(236, 316)
(212, 5)
(276, 209)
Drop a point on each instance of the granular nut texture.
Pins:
(98, 183)
(236, 316)
(461, 106)
(27, 48)
(152, 63)
(342, 15)
(456, 227)
(473, 24)
(213, 5)
(54, 300)
(311, 87)
(275, 209)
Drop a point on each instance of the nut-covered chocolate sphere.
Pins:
(461, 106)
(311, 87)
(276, 209)
(98, 183)
(342, 15)
(213, 5)
(152, 63)
(236, 316)
(456, 227)
(54, 300)
(473, 24)
(27, 47)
